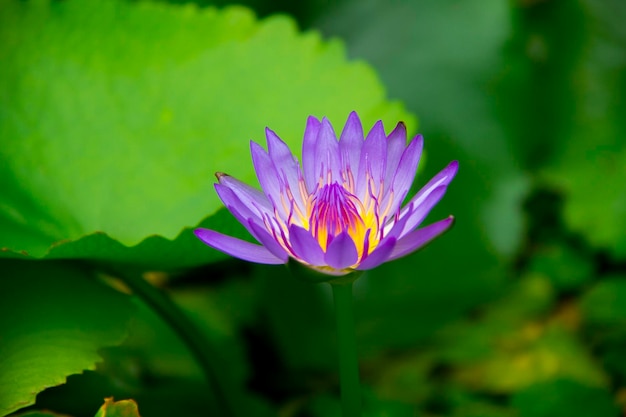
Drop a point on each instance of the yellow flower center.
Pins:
(333, 209)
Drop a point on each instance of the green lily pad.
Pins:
(154, 252)
(114, 117)
(55, 319)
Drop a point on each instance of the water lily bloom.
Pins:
(342, 210)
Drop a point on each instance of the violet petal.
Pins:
(268, 241)
(327, 156)
(308, 152)
(373, 161)
(444, 177)
(404, 175)
(306, 246)
(237, 247)
(341, 252)
(350, 144)
(378, 256)
(420, 237)
(419, 210)
(268, 177)
(396, 144)
(242, 212)
(248, 195)
(286, 165)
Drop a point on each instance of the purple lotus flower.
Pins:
(341, 211)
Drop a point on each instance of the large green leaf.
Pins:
(55, 317)
(114, 117)
(154, 252)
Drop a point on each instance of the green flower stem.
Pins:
(348, 360)
(196, 342)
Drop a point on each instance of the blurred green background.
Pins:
(114, 115)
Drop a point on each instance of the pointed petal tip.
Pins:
(447, 223)
(219, 175)
(313, 125)
(279, 151)
(271, 137)
(449, 172)
(255, 147)
(257, 151)
(326, 122)
(352, 130)
(313, 120)
(377, 132)
(327, 128)
(400, 129)
(354, 117)
(418, 142)
(454, 167)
